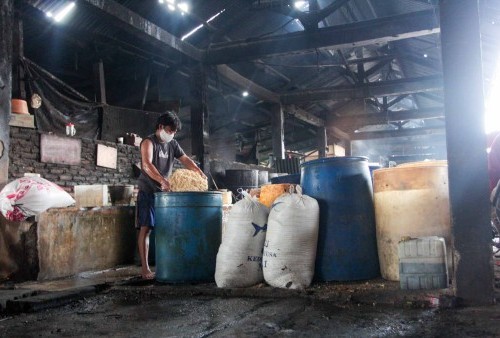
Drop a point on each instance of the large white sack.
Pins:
(29, 196)
(291, 240)
(239, 260)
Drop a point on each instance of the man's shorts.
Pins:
(145, 210)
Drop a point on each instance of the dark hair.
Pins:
(169, 119)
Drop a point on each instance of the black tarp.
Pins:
(61, 104)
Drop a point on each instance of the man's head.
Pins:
(169, 119)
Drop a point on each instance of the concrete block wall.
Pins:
(24, 157)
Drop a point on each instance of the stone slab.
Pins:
(106, 156)
(94, 195)
(59, 149)
(48, 300)
(11, 295)
(22, 120)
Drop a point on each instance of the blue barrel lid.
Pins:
(336, 160)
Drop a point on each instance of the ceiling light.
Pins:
(244, 94)
(301, 5)
(425, 55)
(49, 14)
(171, 7)
(183, 6)
(200, 26)
(63, 12)
(160, 1)
(172, 2)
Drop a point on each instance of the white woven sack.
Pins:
(29, 196)
(239, 260)
(291, 239)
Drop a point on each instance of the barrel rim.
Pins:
(171, 193)
(408, 168)
(243, 170)
(336, 159)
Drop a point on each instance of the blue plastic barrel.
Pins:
(292, 179)
(373, 167)
(347, 246)
(188, 235)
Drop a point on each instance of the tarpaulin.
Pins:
(61, 104)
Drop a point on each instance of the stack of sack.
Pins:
(276, 245)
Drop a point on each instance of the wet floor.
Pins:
(155, 311)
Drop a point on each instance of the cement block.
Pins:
(72, 240)
(91, 195)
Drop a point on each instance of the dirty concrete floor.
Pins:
(129, 307)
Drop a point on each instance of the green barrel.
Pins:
(187, 235)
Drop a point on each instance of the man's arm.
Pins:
(148, 166)
(189, 164)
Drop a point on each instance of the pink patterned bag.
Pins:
(29, 196)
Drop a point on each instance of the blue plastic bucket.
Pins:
(188, 235)
(347, 246)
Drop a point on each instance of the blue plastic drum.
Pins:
(188, 235)
(347, 245)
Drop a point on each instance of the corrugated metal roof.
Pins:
(243, 20)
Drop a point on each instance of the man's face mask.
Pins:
(166, 137)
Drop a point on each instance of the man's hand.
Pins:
(202, 174)
(165, 185)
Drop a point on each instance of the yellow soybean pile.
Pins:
(187, 180)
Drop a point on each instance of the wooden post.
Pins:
(18, 84)
(199, 118)
(322, 142)
(6, 21)
(278, 128)
(100, 83)
(466, 145)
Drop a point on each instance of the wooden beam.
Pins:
(137, 25)
(304, 116)
(351, 35)
(381, 88)
(339, 133)
(245, 84)
(360, 120)
(398, 133)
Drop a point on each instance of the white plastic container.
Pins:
(422, 263)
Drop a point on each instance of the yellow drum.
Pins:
(410, 200)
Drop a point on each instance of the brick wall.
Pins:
(24, 157)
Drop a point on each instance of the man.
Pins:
(158, 152)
